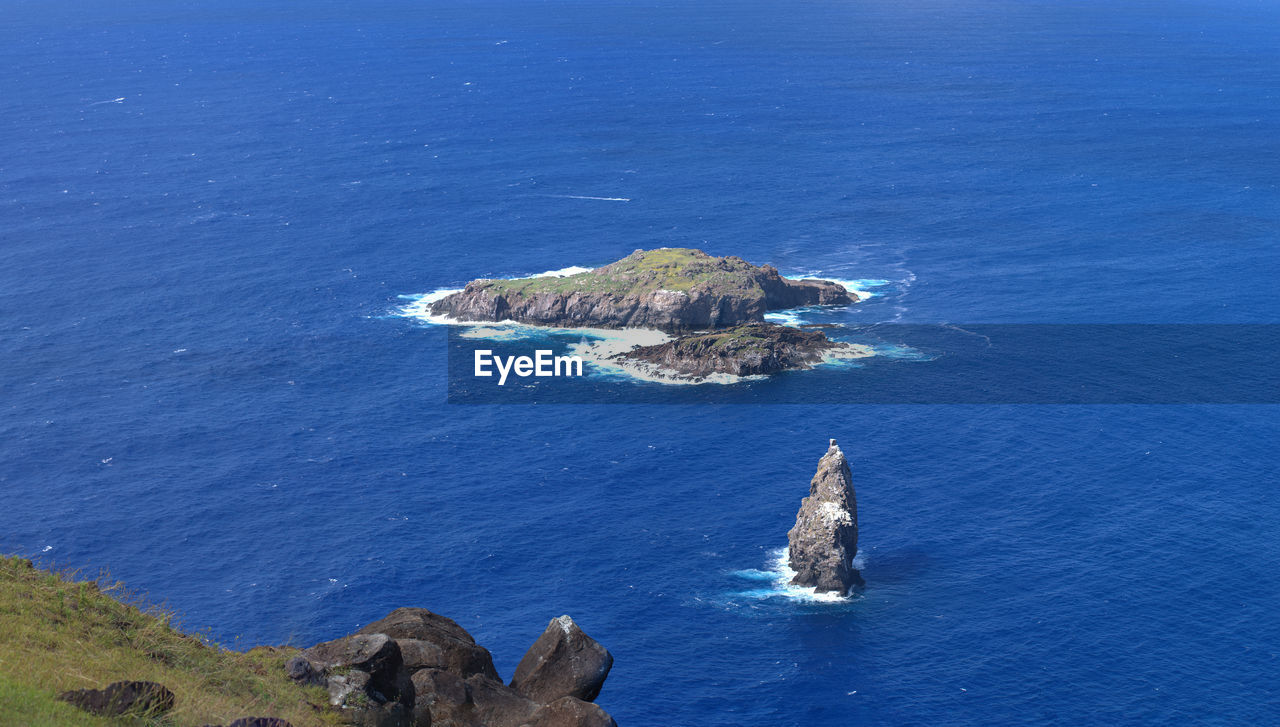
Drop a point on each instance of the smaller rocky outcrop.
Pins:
(119, 699)
(781, 293)
(563, 662)
(415, 668)
(753, 349)
(824, 540)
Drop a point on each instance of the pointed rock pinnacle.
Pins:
(824, 540)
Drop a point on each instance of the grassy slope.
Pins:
(642, 272)
(57, 634)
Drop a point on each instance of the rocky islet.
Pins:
(823, 542)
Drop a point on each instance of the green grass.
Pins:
(24, 704)
(644, 271)
(739, 339)
(58, 634)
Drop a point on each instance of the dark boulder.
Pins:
(302, 671)
(135, 699)
(441, 699)
(365, 676)
(498, 705)
(459, 652)
(419, 654)
(447, 700)
(571, 712)
(374, 654)
(563, 662)
(368, 705)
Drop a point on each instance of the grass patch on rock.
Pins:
(644, 271)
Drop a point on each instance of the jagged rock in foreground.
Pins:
(671, 289)
(563, 662)
(430, 640)
(416, 668)
(752, 349)
(365, 676)
(824, 540)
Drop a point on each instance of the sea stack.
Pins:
(825, 537)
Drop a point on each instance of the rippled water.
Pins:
(211, 212)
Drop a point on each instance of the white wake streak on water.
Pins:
(584, 196)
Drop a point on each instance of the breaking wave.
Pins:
(861, 287)
(775, 581)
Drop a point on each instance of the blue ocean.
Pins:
(214, 213)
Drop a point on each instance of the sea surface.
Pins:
(213, 213)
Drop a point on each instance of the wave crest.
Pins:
(778, 575)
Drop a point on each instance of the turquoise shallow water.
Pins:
(210, 212)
